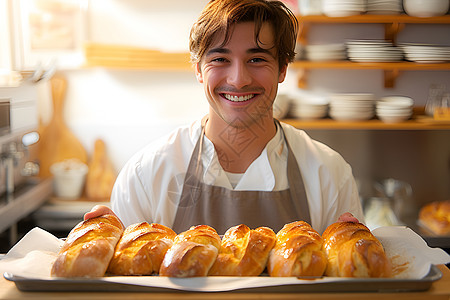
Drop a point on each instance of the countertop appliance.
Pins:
(21, 192)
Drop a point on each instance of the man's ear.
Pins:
(198, 73)
(282, 74)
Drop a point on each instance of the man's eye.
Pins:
(218, 59)
(257, 59)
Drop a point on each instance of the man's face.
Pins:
(241, 78)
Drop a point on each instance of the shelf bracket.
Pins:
(303, 33)
(391, 31)
(302, 78)
(389, 77)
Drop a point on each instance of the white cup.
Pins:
(310, 7)
(69, 177)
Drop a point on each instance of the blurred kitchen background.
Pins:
(129, 107)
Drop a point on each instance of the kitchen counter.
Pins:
(26, 198)
(439, 290)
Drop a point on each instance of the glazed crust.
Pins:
(436, 217)
(353, 251)
(141, 249)
(298, 252)
(88, 248)
(244, 252)
(192, 254)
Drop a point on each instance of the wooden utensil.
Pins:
(101, 176)
(57, 142)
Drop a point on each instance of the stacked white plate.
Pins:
(326, 52)
(309, 110)
(393, 109)
(426, 53)
(352, 107)
(373, 51)
(384, 7)
(308, 106)
(343, 8)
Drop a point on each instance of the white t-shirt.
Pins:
(150, 184)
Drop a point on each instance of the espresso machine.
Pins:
(21, 190)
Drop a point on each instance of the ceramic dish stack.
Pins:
(394, 109)
(426, 8)
(352, 107)
(384, 7)
(373, 51)
(309, 106)
(325, 52)
(343, 8)
(426, 53)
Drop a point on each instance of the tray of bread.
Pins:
(434, 218)
(99, 254)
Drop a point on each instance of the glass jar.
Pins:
(435, 94)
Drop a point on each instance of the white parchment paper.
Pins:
(33, 256)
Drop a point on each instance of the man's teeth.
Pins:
(238, 98)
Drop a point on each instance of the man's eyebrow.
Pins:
(260, 50)
(255, 50)
(218, 50)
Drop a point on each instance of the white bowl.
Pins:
(308, 110)
(426, 8)
(391, 111)
(393, 114)
(351, 116)
(393, 119)
(351, 103)
(309, 115)
(351, 109)
(352, 96)
(395, 101)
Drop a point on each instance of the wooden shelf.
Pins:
(368, 18)
(373, 124)
(345, 64)
(393, 25)
(419, 121)
(391, 69)
(127, 57)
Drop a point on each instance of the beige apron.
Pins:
(222, 208)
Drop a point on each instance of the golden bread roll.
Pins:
(192, 254)
(353, 251)
(297, 252)
(436, 217)
(244, 252)
(88, 248)
(141, 249)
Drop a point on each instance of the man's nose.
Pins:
(239, 76)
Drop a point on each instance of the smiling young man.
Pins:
(237, 165)
(240, 81)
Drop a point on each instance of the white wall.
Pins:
(128, 109)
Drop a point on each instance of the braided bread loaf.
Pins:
(353, 251)
(88, 248)
(297, 252)
(141, 249)
(244, 252)
(436, 217)
(192, 254)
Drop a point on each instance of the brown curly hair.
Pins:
(219, 16)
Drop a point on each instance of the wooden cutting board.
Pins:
(57, 142)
